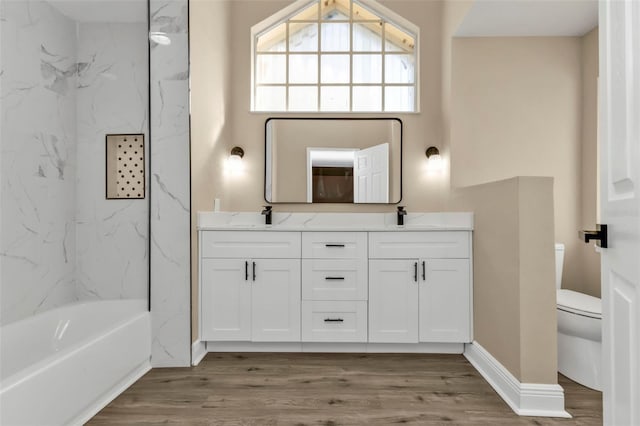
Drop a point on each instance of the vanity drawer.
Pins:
(334, 279)
(334, 245)
(419, 244)
(250, 244)
(340, 321)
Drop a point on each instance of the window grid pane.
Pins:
(335, 37)
(270, 69)
(334, 69)
(399, 68)
(303, 68)
(367, 98)
(303, 37)
(367, 68)
(399, 98)
(366, 64)
(334, 98)
(303, 98)
(273, 40)
(367, 36)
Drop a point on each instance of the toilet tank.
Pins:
(559, 264)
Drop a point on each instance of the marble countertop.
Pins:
(341, 222)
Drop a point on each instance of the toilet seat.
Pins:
(579, 303)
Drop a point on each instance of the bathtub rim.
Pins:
(56, 358)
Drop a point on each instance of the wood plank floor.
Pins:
(328, 390)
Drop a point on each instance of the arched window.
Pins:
(335, 56)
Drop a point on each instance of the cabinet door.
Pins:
(445, 301)
(225, 301)
(275, 300)
(393, 301)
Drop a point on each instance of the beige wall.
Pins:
(513, 273)
(590, 261)
(453, 13)
(210, 130)
(516, 108)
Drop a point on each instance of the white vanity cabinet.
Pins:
(372, 288)
(250, 286)
(419, 287)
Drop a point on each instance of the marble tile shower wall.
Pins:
(113, 97)
(38, 167)
(64, 86)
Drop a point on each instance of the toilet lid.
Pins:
(579, 303)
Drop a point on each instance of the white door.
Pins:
(619, 117)
(393, 301)
(444, 300)
(225, 302)
(371, 175)
(275, 300)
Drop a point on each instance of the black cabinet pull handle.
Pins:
(246, 270)
(333, 320)
(254, 271)
(334, 245)
(415, 271)
(334, 278)
(424, 270)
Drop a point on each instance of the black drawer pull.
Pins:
(333, 320)
(334, 278)
(334, 245)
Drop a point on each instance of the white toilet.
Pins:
(579, 332)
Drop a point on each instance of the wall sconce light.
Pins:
(435, 163)
(237, 153)
(234, 162)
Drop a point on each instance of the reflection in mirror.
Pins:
(333, 160)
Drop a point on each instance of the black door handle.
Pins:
(254, 271)
(600, 235)
(415, 271)
(246, 270)
(334, 278)
(424, 270)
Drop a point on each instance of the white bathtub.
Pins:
(62, 366)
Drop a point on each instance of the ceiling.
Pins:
(524, 18)
(121, 11)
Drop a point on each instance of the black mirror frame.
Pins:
(332, 118)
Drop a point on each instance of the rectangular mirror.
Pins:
(333, 160)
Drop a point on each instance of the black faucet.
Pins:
(267, 214)
(401, 214)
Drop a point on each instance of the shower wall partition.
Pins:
(170, 186)
(70, 75)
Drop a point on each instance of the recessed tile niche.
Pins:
(125, 167)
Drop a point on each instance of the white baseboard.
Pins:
(198, 351)
(112, 394)
(525, 399)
